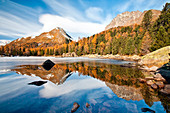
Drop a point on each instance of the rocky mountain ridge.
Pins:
(131, 18)
(57, 36)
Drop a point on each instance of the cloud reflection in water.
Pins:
(52, 90)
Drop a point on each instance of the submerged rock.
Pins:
(126, 92)
(37, 83)
(87, 105)
(75, 107)
(48, 64)
(147, 110)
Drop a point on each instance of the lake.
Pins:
(103, 83)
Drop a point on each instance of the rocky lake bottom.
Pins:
(95, 85)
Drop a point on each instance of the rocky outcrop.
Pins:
(126, 92)
(156, 58)
(131, 18)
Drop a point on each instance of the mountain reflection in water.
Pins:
(121, 80)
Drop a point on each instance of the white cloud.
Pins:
(70, 25)
(95, 13)
(64, 9)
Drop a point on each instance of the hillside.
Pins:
(150, 34)
(130, 33)
(43, 42)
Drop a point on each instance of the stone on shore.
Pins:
(154, 86)
(166, 90)
(149, 82)
(160, 85)
(157, 75)
(149, 78)
(70, 54)
(75, 107)
(141, 80)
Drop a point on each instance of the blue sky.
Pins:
(21, 18)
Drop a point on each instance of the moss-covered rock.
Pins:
(156, 58)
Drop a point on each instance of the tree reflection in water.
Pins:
(122, 81)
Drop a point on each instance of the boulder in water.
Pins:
(48, 64)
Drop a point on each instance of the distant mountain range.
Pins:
(4, 42)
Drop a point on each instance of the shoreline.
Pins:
(135, 58)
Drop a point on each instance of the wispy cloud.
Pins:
(141, 5)
(14, 24)
(17, 26)
(95, 14)
(78, 18)
(64, 9)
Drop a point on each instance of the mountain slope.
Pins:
(46, 40)
(131, 18)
